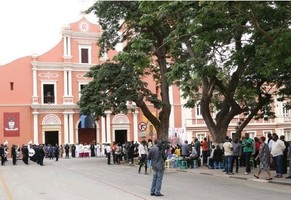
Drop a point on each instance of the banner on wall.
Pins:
(11, 124)
(177, 136)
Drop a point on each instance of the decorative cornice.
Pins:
(54, 107)
(90, 35)
(60, 66)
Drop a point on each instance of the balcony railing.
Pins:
(49, 99)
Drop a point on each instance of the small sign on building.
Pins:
(142, 134)
(142, 126)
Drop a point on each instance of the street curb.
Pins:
(232, 176)
(238, 177)
(279, 183)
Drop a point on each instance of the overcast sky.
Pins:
(33, 26)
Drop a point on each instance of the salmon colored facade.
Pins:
(42, 92)
(39, 96)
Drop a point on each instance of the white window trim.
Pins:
(252, 136)
(79, 88)
(89, 53)
(285, 111)
(198, 108)
(200, 134)
(266, 132)
(287, 134)
(55, 90)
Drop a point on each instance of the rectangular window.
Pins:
(81, 87)
(198, 110)
(48, 93)
(11, 86)
(285, 110)
(200, 136)
(252, 134)
(84, 55)
(233, 135)
(287, 135)
(265, 133)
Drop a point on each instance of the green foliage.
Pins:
(236, 55)
(231, 56)
(111, 87)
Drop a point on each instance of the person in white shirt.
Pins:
(108, 153)
(143, 154)
(278, 147)
(211, 156)
(228, 154)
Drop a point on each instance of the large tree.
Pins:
(140, 27)
(232, 57)
(236, 59)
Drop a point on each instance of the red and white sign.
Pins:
(142, 126)
(11, 124)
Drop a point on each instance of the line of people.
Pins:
(267, 155)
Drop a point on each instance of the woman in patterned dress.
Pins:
(264, 156)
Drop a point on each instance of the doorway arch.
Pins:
(51, 130)
(120, 128)
(96, 130)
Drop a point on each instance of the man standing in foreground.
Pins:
(157, 156)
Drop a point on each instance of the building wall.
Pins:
(196, 127)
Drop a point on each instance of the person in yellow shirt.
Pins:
(177, 151)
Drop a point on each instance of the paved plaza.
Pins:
(92, 178)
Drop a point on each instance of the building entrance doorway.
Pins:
(51, 137)
(86, 129)
(120, 136)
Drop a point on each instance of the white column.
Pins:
(66, 129)
(43, 138)
(135, 126)
(34, 82)
(65, 46)
(103, 128)
(97, 134)
(35, 127)
(60, 138)
(71, 129)
(69, 45)
(70, 82)
(65, 83)
(108, 126)
(172, 115)
(77, 136)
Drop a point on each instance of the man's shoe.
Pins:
(288, 177)
(152, 194)
(159, 195)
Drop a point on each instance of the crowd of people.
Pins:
(232, 155)
(266, 154)
(37, 153)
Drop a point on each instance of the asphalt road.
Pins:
(92, 178)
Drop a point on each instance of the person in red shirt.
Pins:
(257, 146)
(204, 145)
